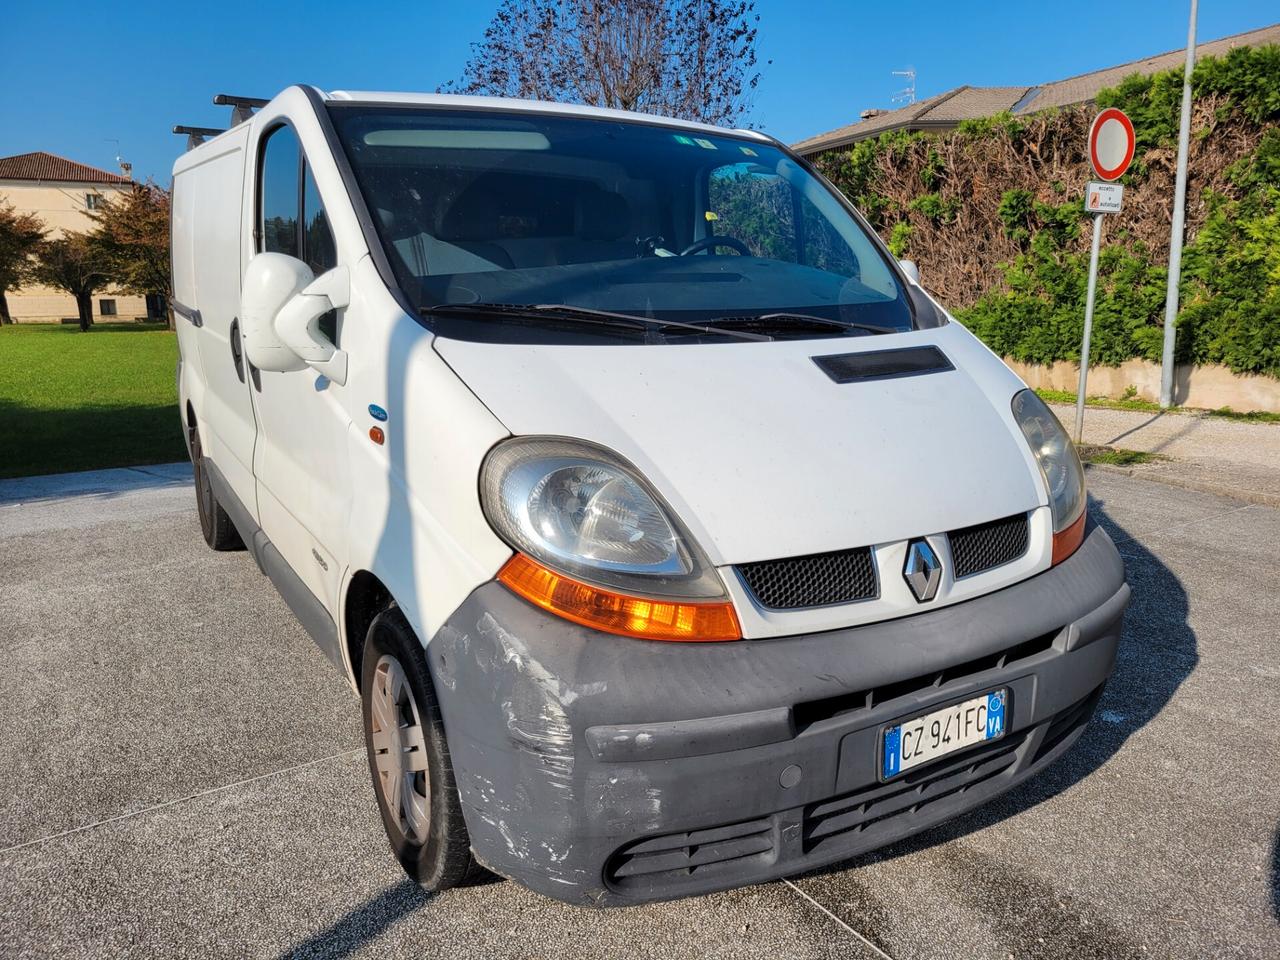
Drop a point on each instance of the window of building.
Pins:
(107, 308)
(93, 201)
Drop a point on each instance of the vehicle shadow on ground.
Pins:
(1275, 876)
(1157, 653)
(364, 923)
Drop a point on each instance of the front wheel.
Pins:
(409, 757)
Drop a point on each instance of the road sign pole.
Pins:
(1175, 233)
(1088, 323)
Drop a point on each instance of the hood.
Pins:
(760, 452)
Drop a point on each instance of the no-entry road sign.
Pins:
(1111, 144)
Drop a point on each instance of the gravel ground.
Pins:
(1234, 458)
(181, 773)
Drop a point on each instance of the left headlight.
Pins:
(595, 543)
(1059, 465)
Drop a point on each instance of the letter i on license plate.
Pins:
(936, 734)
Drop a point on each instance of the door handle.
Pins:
(237, 350)
(190, 314)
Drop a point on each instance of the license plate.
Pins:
(941, 732)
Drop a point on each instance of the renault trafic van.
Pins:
(672, 535)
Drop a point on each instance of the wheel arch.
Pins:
(366, 595)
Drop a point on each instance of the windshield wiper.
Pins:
(803, 320)
(526, 312)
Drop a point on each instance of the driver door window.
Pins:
(292, 218)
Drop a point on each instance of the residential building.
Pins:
(62, 193)
(946, 110)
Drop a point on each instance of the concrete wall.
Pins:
(62, 206)
(1207, 387)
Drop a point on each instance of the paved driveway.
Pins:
(181, 774)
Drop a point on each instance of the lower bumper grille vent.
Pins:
(875, 808)
(657, 862)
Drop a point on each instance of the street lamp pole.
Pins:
(1179, 215)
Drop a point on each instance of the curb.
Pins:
(1258, 497)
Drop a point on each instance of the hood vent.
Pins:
(884, 364)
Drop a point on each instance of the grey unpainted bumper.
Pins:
(604, 770)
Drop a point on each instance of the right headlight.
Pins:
(1059, 465)
(595, 543)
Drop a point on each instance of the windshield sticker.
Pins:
(704, 144)
(749, 152)
(711, 215)
(681, 138)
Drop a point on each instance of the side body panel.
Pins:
(416, 521)
(207, 277)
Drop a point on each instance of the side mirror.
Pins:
(280, 310)
(911, 270)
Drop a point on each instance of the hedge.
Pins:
(993, 214)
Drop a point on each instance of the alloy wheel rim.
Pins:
(400, 750)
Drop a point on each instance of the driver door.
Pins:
(300, 461)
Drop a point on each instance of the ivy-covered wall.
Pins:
(993, 213)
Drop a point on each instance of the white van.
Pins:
(672, 535)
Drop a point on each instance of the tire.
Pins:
(218, 530)
(410, 767)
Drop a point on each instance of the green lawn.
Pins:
(81, 401)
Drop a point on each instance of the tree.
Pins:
(692, 59)
(131, 240)
(73, 264)
(20, 233)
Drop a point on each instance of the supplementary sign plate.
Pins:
(936, 734)
(1103, 197)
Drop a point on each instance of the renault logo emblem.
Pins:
(922, 571)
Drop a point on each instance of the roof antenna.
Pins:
(908, 94)
(126, 168)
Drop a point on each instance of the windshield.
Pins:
(480, 207)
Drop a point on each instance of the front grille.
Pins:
(986, 546)
(680, 856)
(817, 580)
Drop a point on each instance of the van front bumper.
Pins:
(604, 770)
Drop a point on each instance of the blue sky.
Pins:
(74, 78)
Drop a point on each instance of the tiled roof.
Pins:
(45, 166)
(1085, 87)
(966, 103)
(872, 126)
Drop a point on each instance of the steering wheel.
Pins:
(708, 243)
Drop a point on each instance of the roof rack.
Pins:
(196, 135)
(241, 107)
(241, 110)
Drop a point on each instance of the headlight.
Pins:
(581, 511)
(1060, 466)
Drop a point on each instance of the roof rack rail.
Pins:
(241, 107)
(197, 135)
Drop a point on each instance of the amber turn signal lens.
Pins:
(615, 612)
(377, 436)
(1066, 542)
